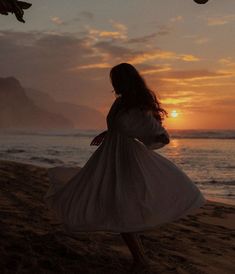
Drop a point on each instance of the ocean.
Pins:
(207, 157)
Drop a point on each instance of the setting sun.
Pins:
(174, 114)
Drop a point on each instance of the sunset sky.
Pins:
(185, 51)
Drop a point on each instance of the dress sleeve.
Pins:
(140, 124)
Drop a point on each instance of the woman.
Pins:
(125, 186)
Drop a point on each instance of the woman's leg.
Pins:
(135, 246)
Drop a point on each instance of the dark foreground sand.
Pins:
(32, 242)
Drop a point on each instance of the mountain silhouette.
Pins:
(81, 116)
(17, 110)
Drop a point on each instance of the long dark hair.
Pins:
(128, 83)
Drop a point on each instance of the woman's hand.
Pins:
(160, 141)
(98, 139)
(163, 138)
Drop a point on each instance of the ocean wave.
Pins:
(225, 167)
(202, 134)
(53, 152)
(14, 150)
(178, 134)
(214, 182)
(54, 133)
(46, 160)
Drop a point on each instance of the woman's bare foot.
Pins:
(141, 263)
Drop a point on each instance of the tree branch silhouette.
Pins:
(14, 6)
(18, 7)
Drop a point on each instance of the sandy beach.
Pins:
(32, 241)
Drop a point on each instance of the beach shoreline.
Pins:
(33, 241)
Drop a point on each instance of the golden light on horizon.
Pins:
(174, 113)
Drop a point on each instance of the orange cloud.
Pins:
(220, 20)
(91, 66)
(202, 40)
(95, 33)
(161, 54)
(176, 101)
(57, 20)
(155, 70)
(119, 32)
(178, 18)
(193, 74)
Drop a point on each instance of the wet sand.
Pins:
(32, 241)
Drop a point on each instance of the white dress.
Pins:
(124, 186)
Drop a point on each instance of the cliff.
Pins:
(17, 110)
(81, 116)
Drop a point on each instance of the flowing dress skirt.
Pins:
(123, 187)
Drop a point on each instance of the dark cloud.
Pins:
(162, 30)
(47, 49)
(87, 14)
(54, 62)
(115, 51)
(142, 39)
(81, 16)
(44, 61)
